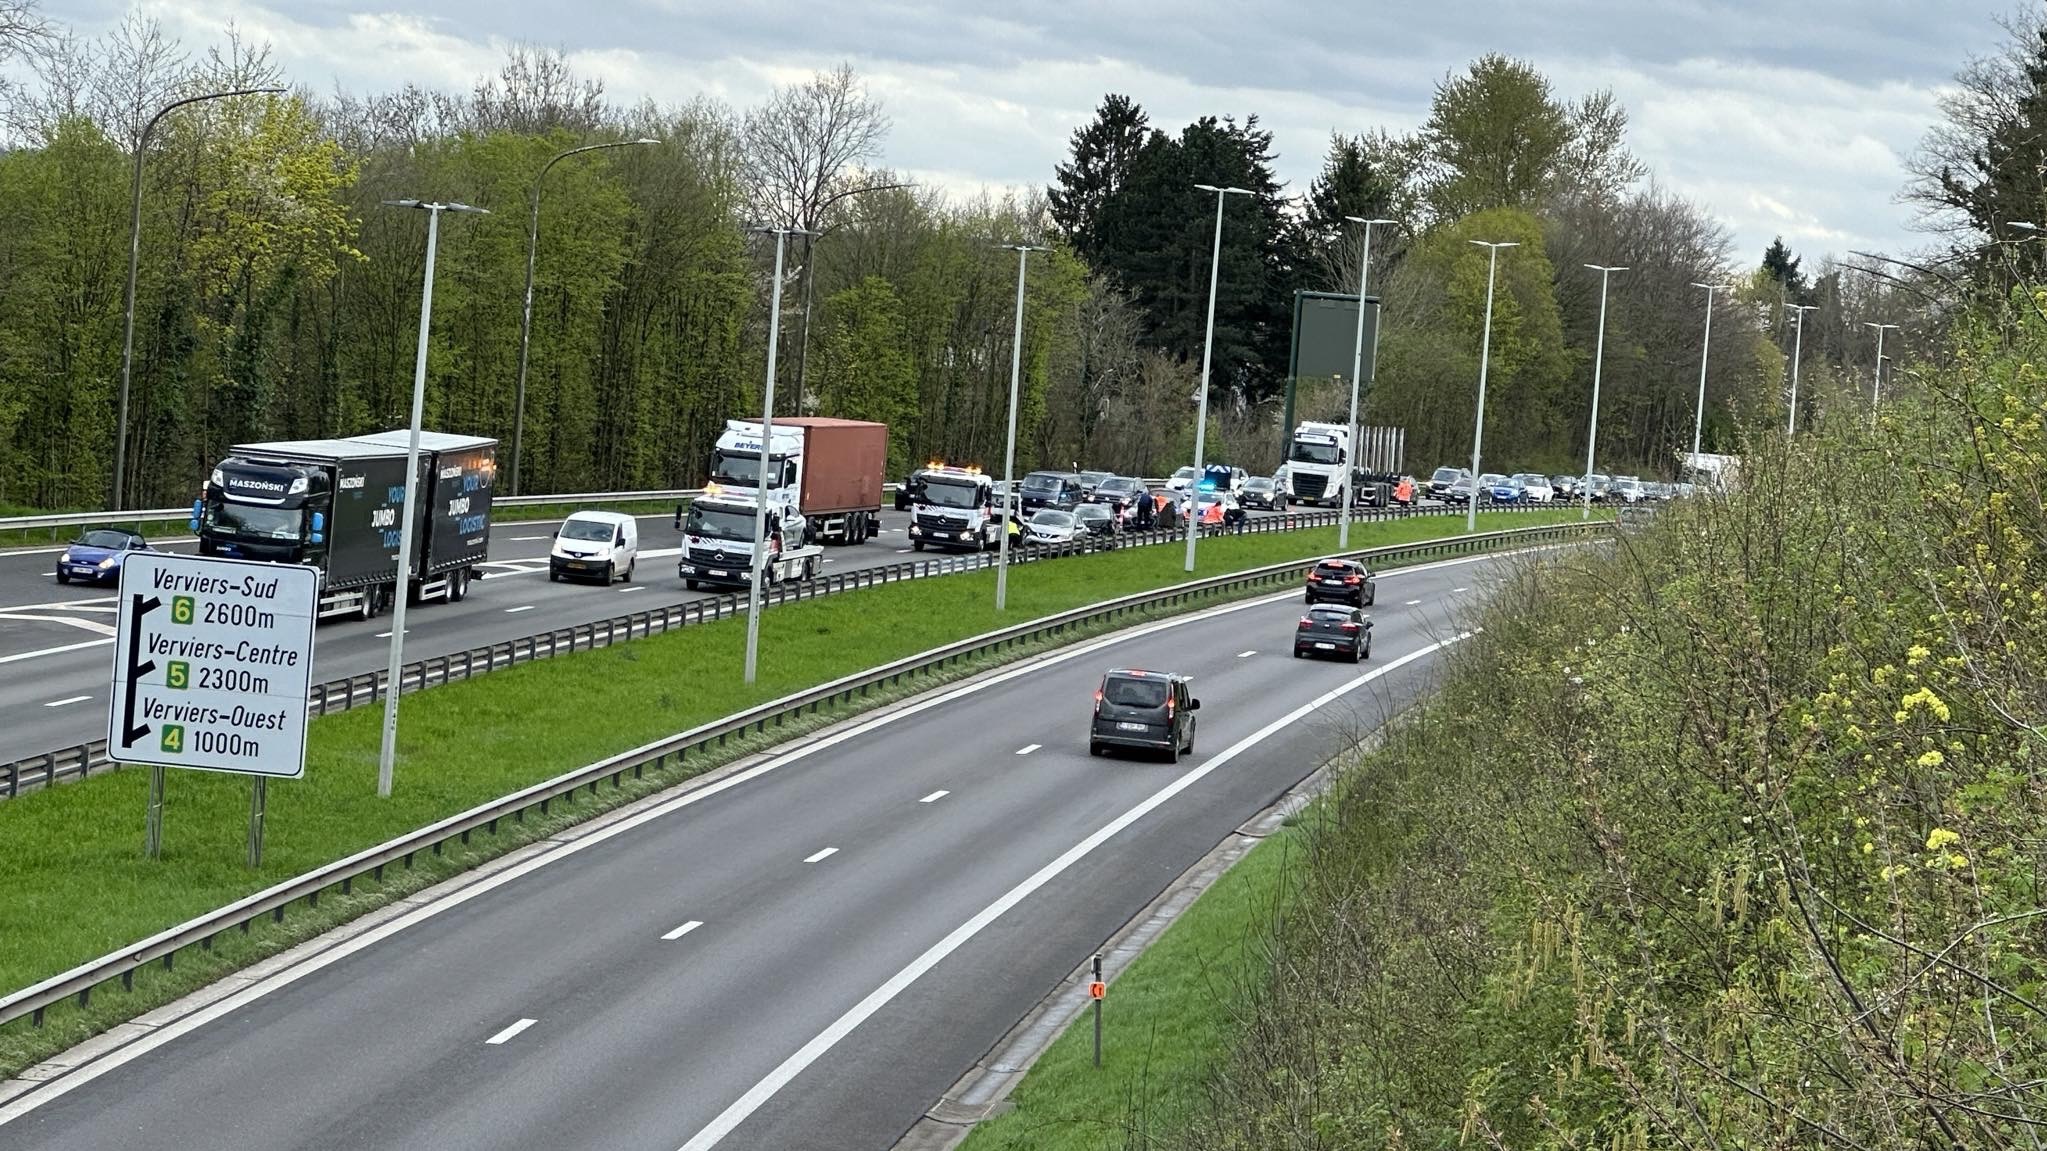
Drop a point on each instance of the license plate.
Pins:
(81, 569)
(1332, 583)
(1129, 727)
(721, 574)
(1326, 646)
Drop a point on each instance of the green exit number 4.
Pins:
(174, 738)
(182, 609)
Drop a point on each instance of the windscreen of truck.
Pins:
(720, 523)
(744, 469)
(943, 493)
(1309, 452)
(253, 523)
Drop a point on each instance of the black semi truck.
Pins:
(335, 504)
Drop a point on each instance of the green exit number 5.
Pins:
(182, 609)
(178, 675)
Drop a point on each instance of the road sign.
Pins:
(212, 662)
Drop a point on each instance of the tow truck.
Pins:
(954, 509)
(719, 548)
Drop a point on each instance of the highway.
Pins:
(56, 639)
(55, 667)
(804, 954)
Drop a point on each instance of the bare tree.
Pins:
(535, 92)
(137, 70)
(806, 145)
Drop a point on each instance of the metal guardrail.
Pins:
(79, 982)
(79, 761)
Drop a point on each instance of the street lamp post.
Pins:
(1023, 256)
(134, 262)
(1598, 361)
(760, 511)
(1876, 392)
(1207, 348)
(1485, 354)
(526, 314)
(1797, 354)
(1705, 350)
(387, 755)
(1357, 369)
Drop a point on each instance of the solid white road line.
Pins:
(1028, 748)
(526, 539)
(62, 702)
(91, 625)
(1247, 654)
(1413, 603)
(387, 635)
(685, 929)
(508, 1032)
(827, 853)
(53, 650)
(62, 603)
(825, 1040)
(935, 796)
(1459, 590)
(517, 610)
(228, 1004)
(632, 587)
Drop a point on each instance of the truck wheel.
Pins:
(369, 603)
(810, 569)
(916, 545)
(458, 585)
(690, 584)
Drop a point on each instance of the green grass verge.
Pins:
(1165, 1019)
(164, 529)
(74, 885)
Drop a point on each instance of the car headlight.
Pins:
(65, 558)
(108, 562)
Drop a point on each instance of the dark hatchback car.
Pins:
(1143, 711)
(1117, 493)
(1263, 492)
(1341, 581)
(1101, 523)
(1334, 630)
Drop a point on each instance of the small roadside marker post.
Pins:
(1098, 991)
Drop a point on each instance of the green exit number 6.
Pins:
(182, 609)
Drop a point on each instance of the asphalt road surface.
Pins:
(56, 666)
(804, 955)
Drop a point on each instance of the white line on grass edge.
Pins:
(902, 980)
(227, 1004)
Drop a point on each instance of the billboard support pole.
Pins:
(258, 798)
(152, 824)
(1293, 367)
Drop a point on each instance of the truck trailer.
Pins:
(828, 472)
(334, 505)
(453, 530)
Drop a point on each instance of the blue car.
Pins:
(96, 556)
(1503, 489)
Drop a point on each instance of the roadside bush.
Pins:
(1726, 836)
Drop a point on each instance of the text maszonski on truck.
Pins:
(269, 655)
(249, 585)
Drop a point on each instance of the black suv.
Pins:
(1060, 490)
(1341, 581)
(1144, 711)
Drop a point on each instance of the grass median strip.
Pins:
(74, 885)
(1163, 1021)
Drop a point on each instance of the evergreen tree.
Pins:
(1350, 184)
(1782, 266)
(1103, 153)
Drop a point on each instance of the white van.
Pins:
(595, 545)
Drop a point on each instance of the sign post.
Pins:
(1098, 991)
(213, 659)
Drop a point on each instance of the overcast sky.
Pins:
(1778, 118)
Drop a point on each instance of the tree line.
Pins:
(278, 295)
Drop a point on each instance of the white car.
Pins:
(1182, 480)
(1538, 488)
(594, 545)
(1052, 526)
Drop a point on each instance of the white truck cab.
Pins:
(1318, 464)
(594, 545)
(719, 549)
(954, 509)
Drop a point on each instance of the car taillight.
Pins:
(1169, 707)
(1349, 627)
(1353, 579)
(1098, 701)
(1305, 621)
